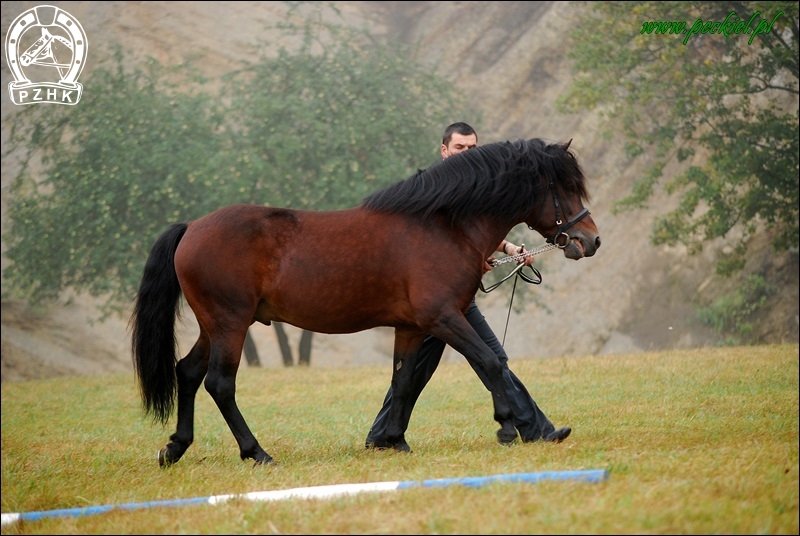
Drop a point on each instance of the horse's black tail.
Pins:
(152, 324)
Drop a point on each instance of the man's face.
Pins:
(458, 144)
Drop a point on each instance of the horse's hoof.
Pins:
(163, 459)
(171, 453)
(256, 454)
(506, 437)
(557, 436)
(265, 461)
(400, 446)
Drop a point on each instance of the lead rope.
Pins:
(510, 301)
(518, 270)
(517, 273)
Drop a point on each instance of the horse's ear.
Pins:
(566, 145)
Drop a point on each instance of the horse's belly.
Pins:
(327, 303)
(326, 319)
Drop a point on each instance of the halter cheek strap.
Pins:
(561, 238)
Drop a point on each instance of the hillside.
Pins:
(509, 58)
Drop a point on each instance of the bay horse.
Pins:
(410, 256)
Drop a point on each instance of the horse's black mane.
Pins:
(499, 180)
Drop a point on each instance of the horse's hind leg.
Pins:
(190, 372)
(406, 353)
(226, 353)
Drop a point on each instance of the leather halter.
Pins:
(561, 238)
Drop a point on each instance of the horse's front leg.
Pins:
(456, 331)
(221, 385)
(406, 352)
(190, 372)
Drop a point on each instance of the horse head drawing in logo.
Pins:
(46, 52)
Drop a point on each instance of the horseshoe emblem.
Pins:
(49, 43)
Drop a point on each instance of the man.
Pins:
(531, 423)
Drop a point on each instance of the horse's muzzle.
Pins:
(580, 247)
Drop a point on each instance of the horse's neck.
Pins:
(485, 235)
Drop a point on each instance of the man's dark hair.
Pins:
(460, 128)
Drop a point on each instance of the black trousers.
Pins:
(530, 421)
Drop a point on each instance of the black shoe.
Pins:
(557, 436)
(373, 443)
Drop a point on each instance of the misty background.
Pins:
(508, 63)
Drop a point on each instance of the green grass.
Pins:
(696, 442)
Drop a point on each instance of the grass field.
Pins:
(695, 442)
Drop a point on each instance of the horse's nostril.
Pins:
(597, 242)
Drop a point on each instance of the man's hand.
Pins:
(521, 249)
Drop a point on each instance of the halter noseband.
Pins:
(561, 238)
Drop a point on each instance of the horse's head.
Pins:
(559, 215)
(499, 182)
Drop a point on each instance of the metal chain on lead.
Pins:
(521, 256)
(516, 272)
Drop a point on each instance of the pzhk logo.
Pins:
(43, 43)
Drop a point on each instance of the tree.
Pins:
(322, 126)
(148, 146)
(132, 157)
(675, 89)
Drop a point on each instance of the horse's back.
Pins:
(326, 271)
(228, 237)
(275, 264)
(248, 235)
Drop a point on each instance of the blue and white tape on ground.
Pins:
(316, 492)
